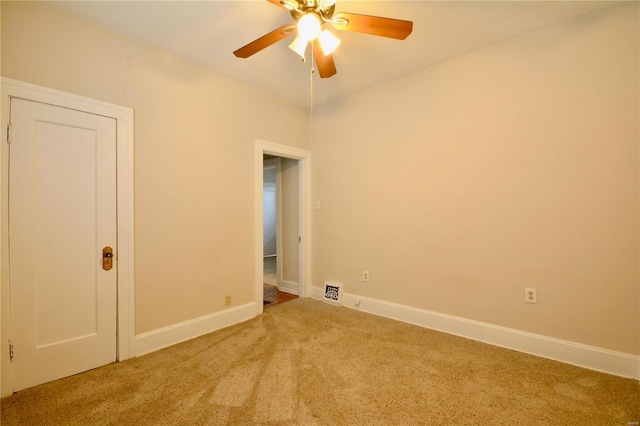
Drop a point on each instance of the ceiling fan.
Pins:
(311, 17)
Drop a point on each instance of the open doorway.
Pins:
(280, 230)
(270, 211)
(293, 245)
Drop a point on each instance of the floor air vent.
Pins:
(332, 293)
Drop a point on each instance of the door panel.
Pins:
(62, 212)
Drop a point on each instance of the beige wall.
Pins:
(514, 166)
(456, 187)
(194, 204)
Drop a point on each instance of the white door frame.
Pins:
(124, 251)
(304, 220)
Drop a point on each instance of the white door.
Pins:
(62, 213)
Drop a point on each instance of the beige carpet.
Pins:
(308, 363)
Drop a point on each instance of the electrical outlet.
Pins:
(365, 276)
(530, 295)
(227, 301)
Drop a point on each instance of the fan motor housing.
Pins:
(324, 14)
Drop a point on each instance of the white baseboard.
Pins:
(289, 287)
(316, 293)
(163, 337)
(591, 357)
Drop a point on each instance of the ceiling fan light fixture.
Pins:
(309, 26)
(299, 45)
(290, 4)
(328, 42)
(325, 4)
(311, 16)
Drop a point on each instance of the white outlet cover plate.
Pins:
(530, 295)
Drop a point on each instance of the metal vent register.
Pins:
(332, 293)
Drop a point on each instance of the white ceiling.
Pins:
(207, 32)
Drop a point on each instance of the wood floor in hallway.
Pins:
(273, 296)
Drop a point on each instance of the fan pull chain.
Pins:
(311, 71)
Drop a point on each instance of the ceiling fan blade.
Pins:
(265, 41)
(375, 25)
(326, 66)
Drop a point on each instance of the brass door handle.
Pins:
(107, 258)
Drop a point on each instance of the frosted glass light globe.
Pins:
(328, 42)
(309, 26)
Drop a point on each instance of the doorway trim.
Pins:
(124, 215)
(304, 221)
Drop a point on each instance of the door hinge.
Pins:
(10, 351)
(9, 133)
(299, 239)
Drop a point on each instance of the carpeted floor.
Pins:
(309, 363)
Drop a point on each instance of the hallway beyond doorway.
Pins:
(270, 274)
(272, 296)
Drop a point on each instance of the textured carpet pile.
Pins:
(309, 363)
